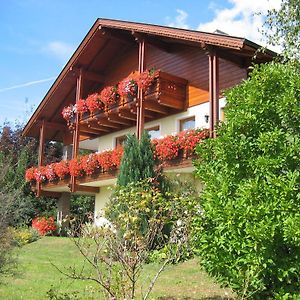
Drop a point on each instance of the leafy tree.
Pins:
(137, 162)
(283, 28)
(248, 234)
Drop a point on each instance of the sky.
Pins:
(39, 36)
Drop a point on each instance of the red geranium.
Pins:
(145, 80)
(104, 159)
(80, 106)
(166, 148)
(61, 169)
(127, 87)
(39, 174)
(189, 139)
(50, 172)
(75, 167)
(116, 156)
(68, 113)
(29, 174)
(44, 225)
(93, 102)
(108, 95)
(89, 163)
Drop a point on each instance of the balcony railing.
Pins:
(115, 107)
(166, 149)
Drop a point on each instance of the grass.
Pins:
(36, 276)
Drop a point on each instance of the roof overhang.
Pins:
(101, 35)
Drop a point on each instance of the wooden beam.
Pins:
(114, 35)
(213, 61)
(88, 189)
(76, 133)
(88, 75)
(156, 107)
(90, 130)
(58, 126)
(152, 41)
(41, 154)
(106, 123)
(119, 120)
(125, 114)
(140, 96)
(171, 102)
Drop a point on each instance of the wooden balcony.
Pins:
(166, 96)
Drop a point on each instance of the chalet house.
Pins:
(169, 80)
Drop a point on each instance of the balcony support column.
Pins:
(140, 96)
(76, 133)
(214, 92)
(63, 209)
(41, 155)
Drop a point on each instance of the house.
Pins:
(191, 69)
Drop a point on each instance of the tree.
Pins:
(137, 162)
(283, 28)
(248, 233)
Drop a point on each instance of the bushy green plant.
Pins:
(248, 235)
(24, 235)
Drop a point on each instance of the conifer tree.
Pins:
(137, 162)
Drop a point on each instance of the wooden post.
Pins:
(41, 155)
(76, 133)
(140, 105)
(214, 91)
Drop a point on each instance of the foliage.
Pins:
(15, 156)
(24, 235)
(44, 225)
(283, 28)
(137, 162)
(248, 235)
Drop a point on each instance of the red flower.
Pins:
(44, 225)
(29, 174)
(104, 159)
(127, 87)
(89, 163)
(93, 102)
(189, 139)
(116, 156)
(68, 113)
(39, 174)
(61, 169)
(80, 106)
(145, 80)
(108, 95)
(50, 172)
(75, 167)
(166, 148)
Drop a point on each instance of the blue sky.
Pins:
(38, 36)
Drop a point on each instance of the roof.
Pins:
(85, 55)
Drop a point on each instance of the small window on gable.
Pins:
(154, 132)
(120, 140)
(187, 123)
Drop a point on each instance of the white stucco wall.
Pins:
(100, 200)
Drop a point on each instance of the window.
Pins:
(187, 123)
(120, 140)
(154, 132)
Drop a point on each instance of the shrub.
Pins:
(24, 235)
(248, 236)
(44, 225)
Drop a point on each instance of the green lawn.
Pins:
(36, 275)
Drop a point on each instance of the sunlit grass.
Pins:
(36, 276)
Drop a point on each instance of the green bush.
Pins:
(24, 235)
(248, 236)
